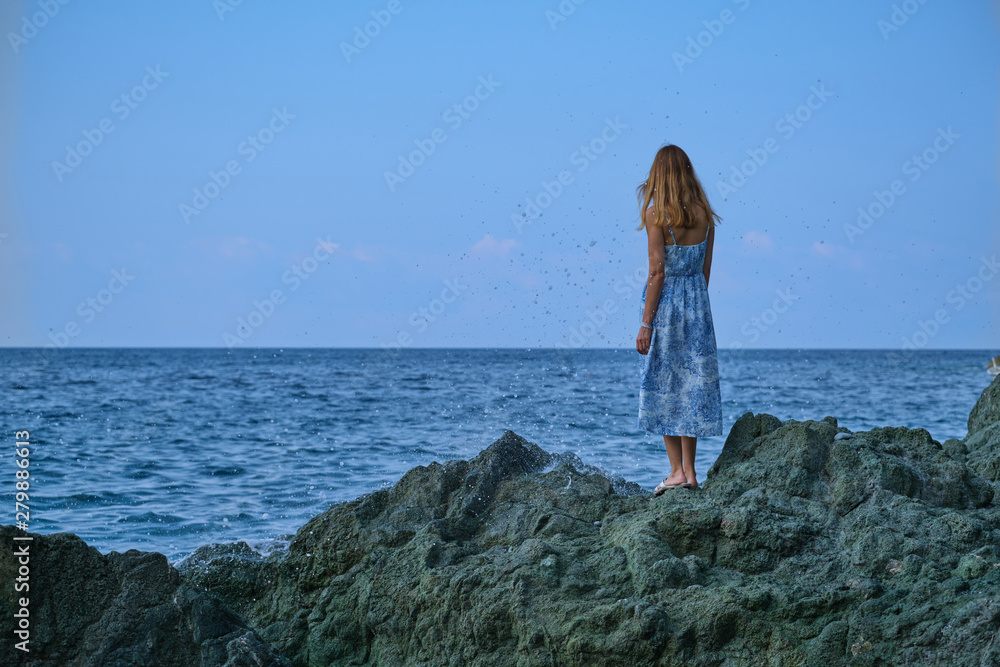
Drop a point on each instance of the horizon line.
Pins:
(529, 348)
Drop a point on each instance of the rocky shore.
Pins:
(806, 545)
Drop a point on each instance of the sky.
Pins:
(233, 174)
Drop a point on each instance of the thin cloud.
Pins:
(489, 246)
(241, 247)
(754, 240)
(366, 253)
(840, 254)
(822, 248)
(232, 247)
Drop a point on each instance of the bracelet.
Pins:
(645, 326)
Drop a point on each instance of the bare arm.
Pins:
(654, 282)
(708, 253)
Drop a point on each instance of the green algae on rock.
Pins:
(117, 609)
(802, 548)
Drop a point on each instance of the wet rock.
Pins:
(982, 444)
(800, 548)
(986, 411)
(118, 609)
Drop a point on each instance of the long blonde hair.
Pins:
(673, 188)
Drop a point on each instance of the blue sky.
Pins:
(202, 173)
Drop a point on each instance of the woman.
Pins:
(679, 372)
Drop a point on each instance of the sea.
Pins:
(171, 449)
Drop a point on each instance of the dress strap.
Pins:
(671, 228)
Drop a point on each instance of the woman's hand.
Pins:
(643, 340)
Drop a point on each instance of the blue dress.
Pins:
(679, 376)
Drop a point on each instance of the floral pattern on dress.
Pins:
(679, 376)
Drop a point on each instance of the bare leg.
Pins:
(688, 446)
(673, 445)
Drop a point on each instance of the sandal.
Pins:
(661, 487)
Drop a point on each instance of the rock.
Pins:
(981, 447)
(979, 563)
(805, 461)
(799, 549)
(87, 608)
(983, 452)
(955, 449)
(986, 411)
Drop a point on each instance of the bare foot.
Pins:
(675, 478)
(692, 480)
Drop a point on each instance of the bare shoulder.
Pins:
(704, 217)
(655, 235)
(649, 217)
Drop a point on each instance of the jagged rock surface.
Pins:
(117, 610)
(981, 447)
(987, 409)
(806, 545)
